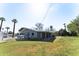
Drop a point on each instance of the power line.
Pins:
(46, 12)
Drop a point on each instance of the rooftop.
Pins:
(23, 28)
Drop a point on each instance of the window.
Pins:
(21, 33)
(32, 33)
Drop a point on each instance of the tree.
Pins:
(73, 33)
(7, 28)
(2, 19)
(76, 21)
(39, 26)
(51, 28)
(74, 25)
(62, 32)
(14, 21)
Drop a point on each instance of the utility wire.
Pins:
(46, 12)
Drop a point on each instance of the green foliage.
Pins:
(62, 32)
(2, 18)
(74, 25)
(73, 33)
(14, 20)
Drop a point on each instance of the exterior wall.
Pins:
(29, 34)
(35, 34)
(39, 35)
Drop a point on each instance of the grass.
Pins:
(62, 46)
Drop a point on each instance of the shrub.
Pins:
(73, 33)
(62, 32)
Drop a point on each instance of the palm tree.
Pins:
(2, 19)
(51, 28)
(7, 29)
(14, 21)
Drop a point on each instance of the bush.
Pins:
(73, 33)
(62, 32)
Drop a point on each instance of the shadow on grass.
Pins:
(35, 39)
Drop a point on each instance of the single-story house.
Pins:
(27, 33)
(5, 36)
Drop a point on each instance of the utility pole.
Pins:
(64, 25)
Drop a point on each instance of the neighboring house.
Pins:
(31, 34)
(28, 33)
(5, 36)
(1, 35)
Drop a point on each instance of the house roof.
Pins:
(23, 28)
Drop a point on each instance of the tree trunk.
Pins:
(1, 25)
(13, 30)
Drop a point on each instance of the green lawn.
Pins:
(62, 46)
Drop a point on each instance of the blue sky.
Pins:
(28, 14)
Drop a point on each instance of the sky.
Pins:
(28, 14)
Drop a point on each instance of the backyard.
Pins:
(61, 46)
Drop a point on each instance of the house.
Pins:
(1, 36)
(5, 36)
(27, 33)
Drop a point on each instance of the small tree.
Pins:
(72, 33)
(63, 32)
(51, 28)
(39, 26)
(74, 25)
